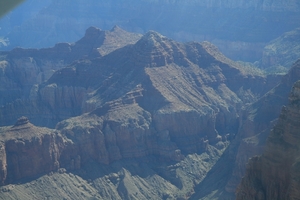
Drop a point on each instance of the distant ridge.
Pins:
(239, 28)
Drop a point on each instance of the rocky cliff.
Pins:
(27, 151)
(94, 147)
(274, 174)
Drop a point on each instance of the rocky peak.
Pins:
(115, 39)
(153, 38)
(156, 49)
(97, 42)
(22, 129)
(22, 121)
(154, 43)
(92, 39)
(116, 28)
(92, 32)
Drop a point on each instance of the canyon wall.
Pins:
(274, 174)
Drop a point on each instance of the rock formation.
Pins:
(275, 174)
(27, 151)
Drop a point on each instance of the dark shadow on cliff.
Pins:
(213, 185)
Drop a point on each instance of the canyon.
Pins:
(150, 111)
(121, 115)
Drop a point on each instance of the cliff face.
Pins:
(274, 175)
(28, 151)
(94, 147)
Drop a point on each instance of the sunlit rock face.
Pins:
(275, 174)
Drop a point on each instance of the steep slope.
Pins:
(275, 174)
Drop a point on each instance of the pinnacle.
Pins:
(116, 28)
(152, 39)
(21, 121)
(92, 31)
